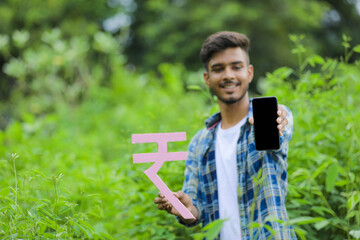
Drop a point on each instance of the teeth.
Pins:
(229, 86)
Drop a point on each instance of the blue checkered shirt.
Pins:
(261, 195)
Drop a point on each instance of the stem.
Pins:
(346, 55)
(56, 195)
(300, 63)
(16, 183)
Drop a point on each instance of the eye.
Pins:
(217, 69)
(237, 67)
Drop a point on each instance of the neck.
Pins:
(231, 114)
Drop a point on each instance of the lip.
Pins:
(229, 85)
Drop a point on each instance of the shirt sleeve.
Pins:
(192, 181)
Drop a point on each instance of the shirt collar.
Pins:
(214, 120)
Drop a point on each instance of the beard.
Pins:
(230, 100)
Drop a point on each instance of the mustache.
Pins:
(229, 82)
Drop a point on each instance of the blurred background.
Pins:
(65, 40)
(77, 78)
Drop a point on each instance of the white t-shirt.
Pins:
(227, 178)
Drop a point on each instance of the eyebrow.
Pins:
(221, 64)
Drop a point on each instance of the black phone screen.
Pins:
(267, 136)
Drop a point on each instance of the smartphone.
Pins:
(267, 135)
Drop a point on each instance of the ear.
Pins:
(206, 78)
(250, 73)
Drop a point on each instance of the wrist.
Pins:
(194, 212)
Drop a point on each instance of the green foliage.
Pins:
(324, 151)
(188, 23)
(210, 231)
(75, 177)
(101, 192)
(59, 71)
(69, 104)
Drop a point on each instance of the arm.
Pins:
(190, 196)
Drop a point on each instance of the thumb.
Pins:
(179, 194)
(184, 198)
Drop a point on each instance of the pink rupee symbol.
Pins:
(159, 158)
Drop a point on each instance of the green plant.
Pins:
(323, 179)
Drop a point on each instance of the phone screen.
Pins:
(267, 136)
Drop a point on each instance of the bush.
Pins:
(324, 152)
(75, 177)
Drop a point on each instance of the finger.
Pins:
(251, 120)
(168, 206)
(165, 206)
(181, 196)
(160, 200)
(281, 125)
(281, 110)
(161, 195)
(280, 129)
(284, 124)
(284, 112)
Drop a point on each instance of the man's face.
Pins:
(229, 75)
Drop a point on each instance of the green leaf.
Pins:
(320, 169)
(20, 38)
(305, 220)
(194, 87)
(272, 218)
(4, 40)
(321, 225)
(3, 161)
(331, 176)
(353, 201)
(15, 68)
(273, 232)
(107, 236)
(283, 72)
(82, 228)
(213, 229)
(316, 59)
(255, 225)
(357, 48)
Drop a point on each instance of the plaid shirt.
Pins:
(260, 201)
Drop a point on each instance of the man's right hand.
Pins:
(164, 204)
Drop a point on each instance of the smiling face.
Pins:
(229, 75)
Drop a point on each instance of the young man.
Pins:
(223, 166)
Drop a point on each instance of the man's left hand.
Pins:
(281, 120)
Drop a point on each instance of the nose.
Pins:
(228, 74)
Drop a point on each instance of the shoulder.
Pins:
(201, 141)
(200, 137)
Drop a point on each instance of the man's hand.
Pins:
(281, 120)
(164, 204)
